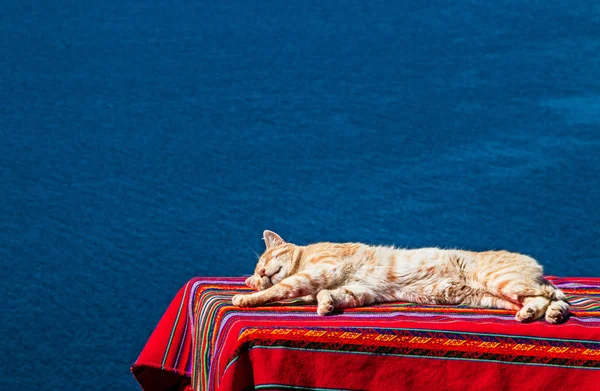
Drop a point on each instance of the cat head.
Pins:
(275, 264)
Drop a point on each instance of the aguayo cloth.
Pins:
(203, 342)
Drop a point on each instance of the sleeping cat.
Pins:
(345, 275)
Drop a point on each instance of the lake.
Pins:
(145, 143)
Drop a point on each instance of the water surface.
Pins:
(144, 143)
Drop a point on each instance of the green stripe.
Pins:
(174, 327)
(216, 304)
(204, 325)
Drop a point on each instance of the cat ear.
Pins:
(272, 239)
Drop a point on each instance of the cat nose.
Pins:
(262, 272)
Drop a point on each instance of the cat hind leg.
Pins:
(557, 311)
(550, 302)
(489, 301)
(533, 308)
(325, 304)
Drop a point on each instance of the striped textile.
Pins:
(204, 342)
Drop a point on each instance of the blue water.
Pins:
(144, 143)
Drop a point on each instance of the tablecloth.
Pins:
(203, 342)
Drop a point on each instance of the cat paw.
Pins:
(525, 314)
(325, 303)
(557, 312)
(239, 301)
(325, 309)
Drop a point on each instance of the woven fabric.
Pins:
(204, 340)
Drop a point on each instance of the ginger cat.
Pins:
(345, 275)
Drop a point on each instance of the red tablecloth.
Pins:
(204, 341)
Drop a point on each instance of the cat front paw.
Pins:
(325, 303)
(239, 301)
(250, 282)
(325, 309)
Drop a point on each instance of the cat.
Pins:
(346, 275)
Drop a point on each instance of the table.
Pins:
(202, 342)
